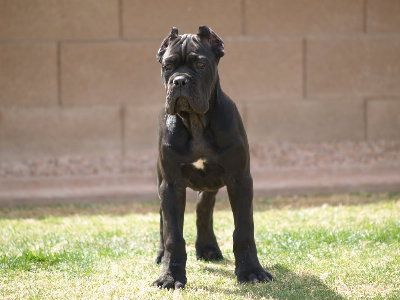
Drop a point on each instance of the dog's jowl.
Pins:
(203, 146)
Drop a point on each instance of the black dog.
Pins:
(202, 145)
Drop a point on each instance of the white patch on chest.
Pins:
(171, 122)
(199, 164)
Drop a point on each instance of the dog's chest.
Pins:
(202, 174)
(201, 168)
(199, 164)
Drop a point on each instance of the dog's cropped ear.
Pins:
(217, 45)
(172, 36)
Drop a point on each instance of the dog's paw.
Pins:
(253, 275)
(208, 253)
(167, 281)
(159, 257)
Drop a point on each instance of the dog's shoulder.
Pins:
(226, 116)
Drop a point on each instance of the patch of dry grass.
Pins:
(337, 247)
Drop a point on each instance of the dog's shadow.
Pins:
(286, 285)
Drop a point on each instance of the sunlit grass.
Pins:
(103, 251)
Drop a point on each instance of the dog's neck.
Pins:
(196, 123)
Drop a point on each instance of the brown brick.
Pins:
(111, 73)
(141, 124)
(383, 119)
(383, 16)
(384, 66)
(353, 66)
(28, 74)
(305, 121)
(256, 69)
(336, 66)
(40, 132)
(61, 19)
(153, 19)
(271, 17)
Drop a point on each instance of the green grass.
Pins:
(338, 247)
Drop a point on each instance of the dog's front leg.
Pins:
(173, 198)
(248, 268)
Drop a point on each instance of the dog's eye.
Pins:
(200, 65)
(168, 67)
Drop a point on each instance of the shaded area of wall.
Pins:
(79, 79)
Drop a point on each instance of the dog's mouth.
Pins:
(178, 105)
(182, 105)
(187, 100)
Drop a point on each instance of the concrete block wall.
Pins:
(79, 77)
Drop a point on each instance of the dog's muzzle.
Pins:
(180, 81)
(178, 94)
(183, 95)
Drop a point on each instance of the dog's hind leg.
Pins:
(206, 243)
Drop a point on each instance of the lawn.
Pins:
(336, 247)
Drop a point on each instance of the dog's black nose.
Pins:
(180, 80)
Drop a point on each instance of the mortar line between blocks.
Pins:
(304, 62)
(365, 16)
(365, 107)
(58, 63)
(120, 19)
(123, 130)
(243, 16)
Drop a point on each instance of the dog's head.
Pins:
(189, 69)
